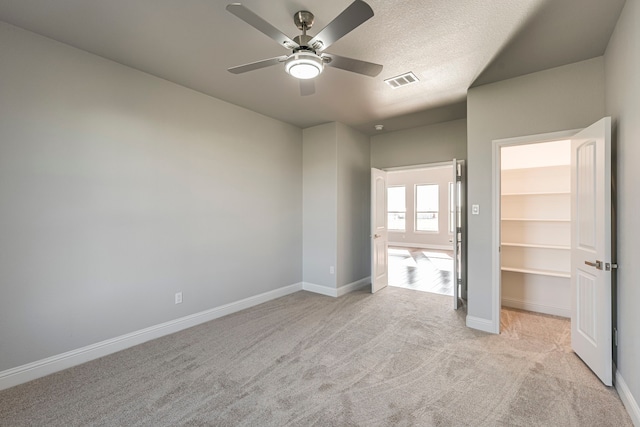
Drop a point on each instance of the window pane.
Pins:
(427, 198)
(396, 220)
(427, 221)
(395, 199)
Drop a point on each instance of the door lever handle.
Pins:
(597, 264)
(375, 236)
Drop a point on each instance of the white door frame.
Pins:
(497, 145)
(425, 166)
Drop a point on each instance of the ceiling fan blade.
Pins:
(261, 25)
(353, 65)
(257, 65)
(350, 18)
(307, 87)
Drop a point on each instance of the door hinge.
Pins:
(615, 336)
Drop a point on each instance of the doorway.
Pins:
(522, 229)
(422, 228)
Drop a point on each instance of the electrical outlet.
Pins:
(178, 297)
(332, 270)
(475, 209)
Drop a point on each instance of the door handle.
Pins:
(375, 236)
(597, 264)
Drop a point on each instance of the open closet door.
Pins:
(379, 239)
(591, 248)
(459, 293)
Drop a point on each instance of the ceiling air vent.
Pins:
(402, 80)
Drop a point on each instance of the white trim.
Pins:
(496, 167)
(630, 404)
(421, 246)
(496, 237)
(535, 139)
(333, 292)
(319, 289)
(539, 308)
(481, 324)
(40, 368)
(354, 286)
(426, 166)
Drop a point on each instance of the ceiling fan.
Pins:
(308, 58)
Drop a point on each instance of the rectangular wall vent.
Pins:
(402, 80)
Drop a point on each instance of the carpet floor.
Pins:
(396, 358)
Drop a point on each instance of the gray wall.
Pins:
(354, 206)
(568, 97)
(118, 189)
(320, 201)
(336, 189)
(622, 71)
(422, 145)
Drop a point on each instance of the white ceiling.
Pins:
(449, 44)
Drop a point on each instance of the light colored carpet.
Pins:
(399, 358)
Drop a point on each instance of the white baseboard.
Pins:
(422, 246)
(630, 403)
(319, 289)
(538, 308)
(40, 368)
(481, 324)
(333, 292)
(354, 286)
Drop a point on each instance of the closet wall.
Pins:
(536, 227)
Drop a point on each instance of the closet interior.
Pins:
(536, 227)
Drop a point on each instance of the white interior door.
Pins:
(379, 238)
(460, 218)
(591, 247)
(456, 241)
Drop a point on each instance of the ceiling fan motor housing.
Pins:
(304, 21)
(303, 42)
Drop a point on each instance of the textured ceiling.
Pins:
(448, 44)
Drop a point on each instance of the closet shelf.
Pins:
(536, 232)
(538, 272)
(537, 219)
(533, 245)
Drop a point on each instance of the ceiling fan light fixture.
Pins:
(304, 65)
